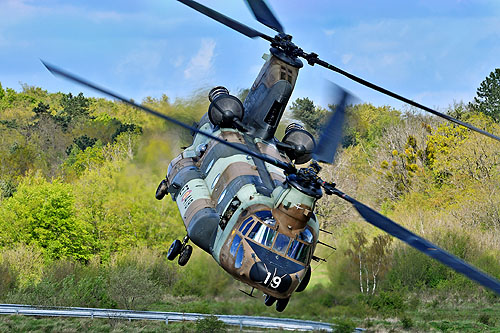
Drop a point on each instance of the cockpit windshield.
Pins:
(266, 217)
(262, 234)
(299, 251)
(281, 243)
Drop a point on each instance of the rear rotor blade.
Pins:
(233, 24)
(421, 244)
(57, 71)
(264, 15)
(312, 59)
(331, 134)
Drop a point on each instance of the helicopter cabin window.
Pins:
(299, 251)
(281, 243)
(245, 225)
(262, 234)
(234, 245)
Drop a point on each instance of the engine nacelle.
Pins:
(224, 109)
(301, 143)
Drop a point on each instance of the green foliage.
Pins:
(8, 279)
(344, 325)
(135, 277)
(313, 117)
(407, 322)
(366, 123)
(210, 324)
(202, 277)
(425, 272)
(488, 96)
(485, 319)
(24, 262)
(387, 302)
(42, 214)
(455, 156)
(369, 263)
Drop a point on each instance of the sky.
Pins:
(435, 52)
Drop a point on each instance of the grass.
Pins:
(18, 323)
(430, 314)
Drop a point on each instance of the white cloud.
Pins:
(201, 64)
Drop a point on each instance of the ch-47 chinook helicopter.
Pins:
(239, 193)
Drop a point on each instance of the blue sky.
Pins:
(434, 52)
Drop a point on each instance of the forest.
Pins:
(79, 224)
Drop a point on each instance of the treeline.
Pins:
(77, 173)
(437, 179)
(77, 210)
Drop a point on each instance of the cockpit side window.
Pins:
(299, 251)
(239, 257)
(234, 245)
(306, 236)
(246, 225)
(262, 234)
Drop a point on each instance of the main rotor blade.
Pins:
(331, 134)
(227, 21)
(421, 244)
(57, 71)
(264, 15)
(314, 60)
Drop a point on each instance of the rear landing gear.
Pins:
(174, 249)
(183, 250)
(185, 255)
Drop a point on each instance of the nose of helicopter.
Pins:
(273, 271)
(270, 276)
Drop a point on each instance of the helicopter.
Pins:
(240, 194)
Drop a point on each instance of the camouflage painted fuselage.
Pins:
(262, 236)
(241, 210)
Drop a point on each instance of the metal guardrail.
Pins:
(241, 321)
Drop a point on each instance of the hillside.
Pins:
(80, 225)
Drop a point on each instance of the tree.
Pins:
(488, 96)
(313, 117)
(369, 262)
(42, 214)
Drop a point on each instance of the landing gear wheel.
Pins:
(269, 300)
(305, 281)
(174, 249)
(185, 255)
(281, 304)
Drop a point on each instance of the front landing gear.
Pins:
(182, 249)
(280, 303)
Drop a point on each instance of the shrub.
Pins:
(406, 322)
(344, 325)
(210, 324)
(201, 277)
(130, 288)
(387, 302)
(8, 279)
(26, 262)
